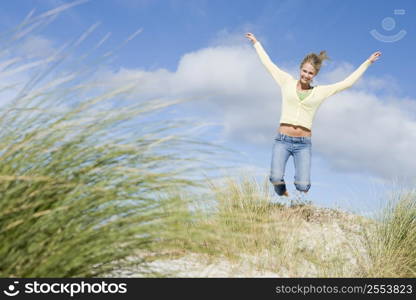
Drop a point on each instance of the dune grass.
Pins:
(249, 227)
(392, 248)
(251, 231)
(85, 172)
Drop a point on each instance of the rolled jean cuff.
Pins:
(279, 187)
(302, 186)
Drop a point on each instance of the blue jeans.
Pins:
(300, 148)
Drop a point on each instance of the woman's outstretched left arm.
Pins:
(373, 57)
(331, 89)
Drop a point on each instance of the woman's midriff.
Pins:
(294, 130)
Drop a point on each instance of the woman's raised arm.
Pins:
(373, 57)
(332, 89)
(278, 74)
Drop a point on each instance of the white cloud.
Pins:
(356, 130)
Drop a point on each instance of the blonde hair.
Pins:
(315, 60)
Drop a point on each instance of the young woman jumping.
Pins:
(300, 102)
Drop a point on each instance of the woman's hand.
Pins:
(251, 37)
(374, 56)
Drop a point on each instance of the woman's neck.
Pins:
(303, 86)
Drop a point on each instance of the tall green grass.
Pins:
(391, 247)
(85, 172)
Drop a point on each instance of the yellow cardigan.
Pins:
(298, 112)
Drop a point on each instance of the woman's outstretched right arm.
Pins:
(279, 75)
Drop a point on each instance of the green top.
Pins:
(303, 94)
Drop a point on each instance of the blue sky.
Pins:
(363, 138)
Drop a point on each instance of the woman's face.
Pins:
(307, 73)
